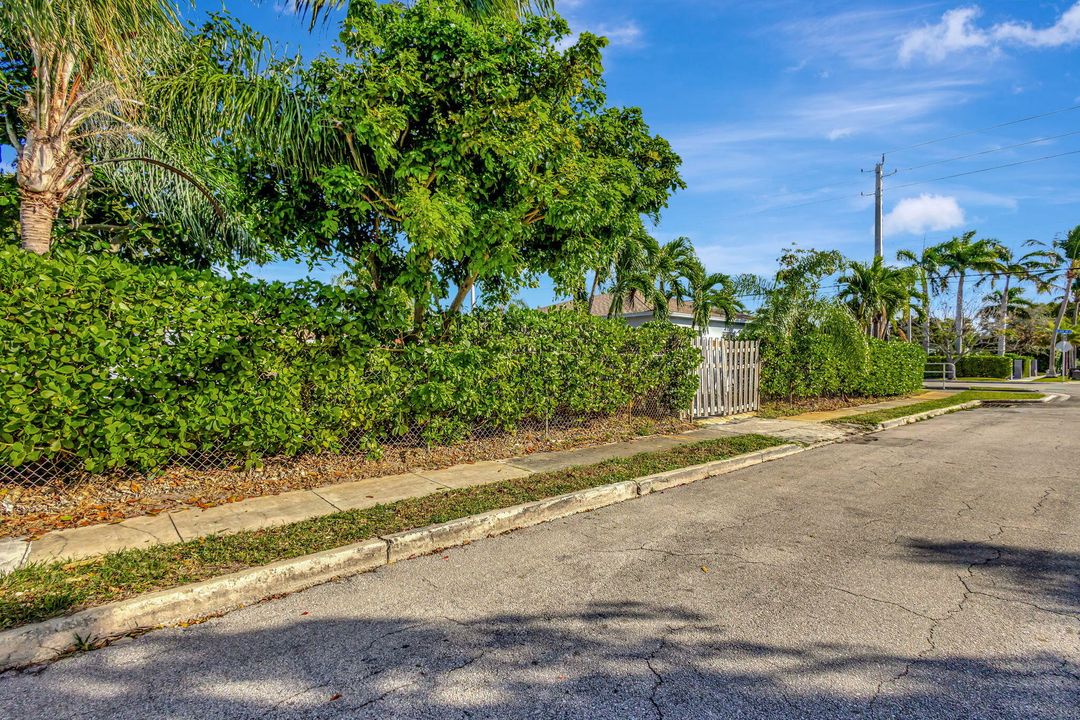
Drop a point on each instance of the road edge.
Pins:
(42, 642)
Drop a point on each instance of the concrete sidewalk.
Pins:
(294, 506)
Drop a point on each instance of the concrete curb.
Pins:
(422, 541)
(49, 639)
(907, 420)
(682, 476)
(44, 641)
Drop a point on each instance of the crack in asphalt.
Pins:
(1036, 606)
(657, 676)
(936, 623)
(1039, 504)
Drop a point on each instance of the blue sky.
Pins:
(775, 106)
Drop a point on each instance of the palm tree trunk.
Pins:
(926, 316)
(592, 290)
(958, 325)
(1003, 315)
(1057, 322)
(36, 215)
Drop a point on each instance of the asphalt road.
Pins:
(931, 571)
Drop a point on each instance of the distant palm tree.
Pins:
(653, 272)
(1066, 256)
(924, 269)
(1014, 302)
(1024, 268)
(710, 293)
(875, 292)
(958, 257)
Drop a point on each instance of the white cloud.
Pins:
(287, 7)
(627, 34)
(957, 31)
(840, 133)
(917, 215)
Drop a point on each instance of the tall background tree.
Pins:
(1026, 268)
(924, 268)
(711, 294)
(960, 256)
(1065, 256)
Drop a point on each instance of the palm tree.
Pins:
(673, 261)
(1014, 302)
(959, 256)
(77, 62)
(710, 293)
(651, 271)
(1066, 255)
(924, 269)
(85, 90)
(874, 292)
(1022, 269)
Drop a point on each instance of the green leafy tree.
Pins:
(806, 336)
(653, 272)
(1028, 267)
(458, 152)
(1014, 302)
(474, 8)
(960, 256)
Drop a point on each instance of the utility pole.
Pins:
(879, 175)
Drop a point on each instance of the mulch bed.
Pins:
(785, 408)
(32, 509)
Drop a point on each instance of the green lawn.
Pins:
(46, 590)
(1050, 379)
(880, 416)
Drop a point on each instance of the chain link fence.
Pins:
(57, 491)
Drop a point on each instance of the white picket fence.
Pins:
(729, 377)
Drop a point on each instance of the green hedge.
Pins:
(119, 365)
(815, 365)
(1027, 359)
(893, 368)
(989, 366)
(983, 365)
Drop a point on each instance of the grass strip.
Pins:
(880, 416)
(44, 590)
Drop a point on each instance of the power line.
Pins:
(984, 129)
(982, 170)
(990, 151)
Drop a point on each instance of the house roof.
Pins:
(637, 305)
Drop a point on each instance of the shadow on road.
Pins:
(1046, 578)
(608, 661)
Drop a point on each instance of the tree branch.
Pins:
(218, 209)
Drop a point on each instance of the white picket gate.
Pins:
(729, 376)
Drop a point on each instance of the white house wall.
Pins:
(717, 328)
